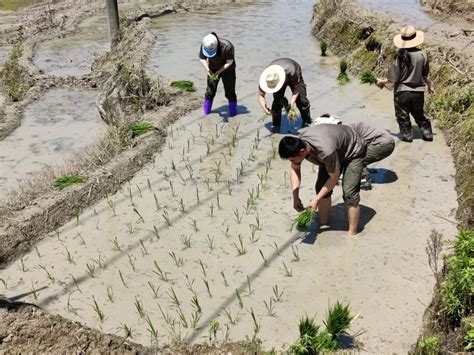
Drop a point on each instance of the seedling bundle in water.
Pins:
(342, 77)
(140, 128)
(323, 46)
(304, 219)
(185, 85)
(367, 78)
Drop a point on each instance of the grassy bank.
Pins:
(366, 42)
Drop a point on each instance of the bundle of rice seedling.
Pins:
(342, 77)
(213, 77)
(323, 46)
(304, 219)
(367, 78)
(338, 320)
(292, 115)
(264, 117)
(140, 128)
(185, 85)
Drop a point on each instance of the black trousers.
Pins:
(302, 103)
(228, 79)
(410, 102)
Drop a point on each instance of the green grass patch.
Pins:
(13, 5)
(428, 345)
(185, 85)
(139, 128)
(68, 180)
(367, 77)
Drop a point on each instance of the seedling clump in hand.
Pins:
(304, 219)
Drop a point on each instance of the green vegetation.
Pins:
(342, 77)
(367, 77)
(313, 340)
(323, 46)
(67, 180)
(14, 83)
(185, 85)
(213, 77)
(139, 128)
(304, 219)
(429, 345)
(13, 5)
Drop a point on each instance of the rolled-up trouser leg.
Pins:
(303, 103)
(351, 181)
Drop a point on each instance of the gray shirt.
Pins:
(410, 79)
(371, 135)
(332, 146)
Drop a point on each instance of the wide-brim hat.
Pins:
(272, 79)
(408, 37)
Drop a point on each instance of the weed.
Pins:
(433, 250)
(63, 181)
(323, 46)
(429, 345)
(277, 294)
(97, 310)
(185, 85)
(342, 76)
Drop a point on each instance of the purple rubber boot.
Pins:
(207, 106)
(232, 108)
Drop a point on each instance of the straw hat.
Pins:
(272, 79)
(408, 37)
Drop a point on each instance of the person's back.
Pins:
(372, 135)
(409, 76)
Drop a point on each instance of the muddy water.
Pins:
(52, 129)
(74, 55)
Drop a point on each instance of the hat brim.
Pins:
(209, 53)
(272, 69)
(402, 44)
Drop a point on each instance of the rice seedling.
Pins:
(208, 289)
(172, 295)
(237, 215)
(208, 184)
(342, 76)
(131, 261)
(127, 331)
(256, 325)
(182, 317)
(225, 280)
(249, 285)
(218, 200)
(202, 267)
(90, 270)
(48, 274)
(189, 168)
(214, 327)
(139, 191)
(277, 294)
(208, 148)
(240, 247)
(182, 207)
(239, 298)
(265, 261)
(189, 283)
(100, 261)
(211, 210)
(270, 306)
(64, 181)
(166, 317)
(155, 232)
(97, 223)
(149, 185)
(277, 250)
(139, 128)
(110, 294)
(97, 310)
(183, 180)
(177, 260)
(304, 219)
(151, 328)
(70, 307)
(116, 245)
(185, 85)
(122, 279)
(139, 215)
(367, 78)
(112, 207)
(130, 228)
(296, 256)
(139, 307)
(286, 270)
(233, 320)
(173, 193)
(195, 318)
(4, 283)
(217, 170)
(161, 274)
(154, 290)
(338, 320)
(200, 127)
(258, 225)
(34, 291)
(23, 266)
(229, 188)
(143, 248)
(130, 195)
(186, 241)
(226, 231)
(157, 203)
(253, 231)
(75, 282)
(210, 242)
(38, 254)
(292, 115)
(166, 217)
(248, 206)
(194, 225)
(323, 46)
(77, 214)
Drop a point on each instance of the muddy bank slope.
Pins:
(341, 24)
(462, 8)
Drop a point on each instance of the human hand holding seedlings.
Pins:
(382, 82)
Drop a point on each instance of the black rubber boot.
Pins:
(426, 131)
(406, 134)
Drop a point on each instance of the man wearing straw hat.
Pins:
(280, 74)
(410, 74)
